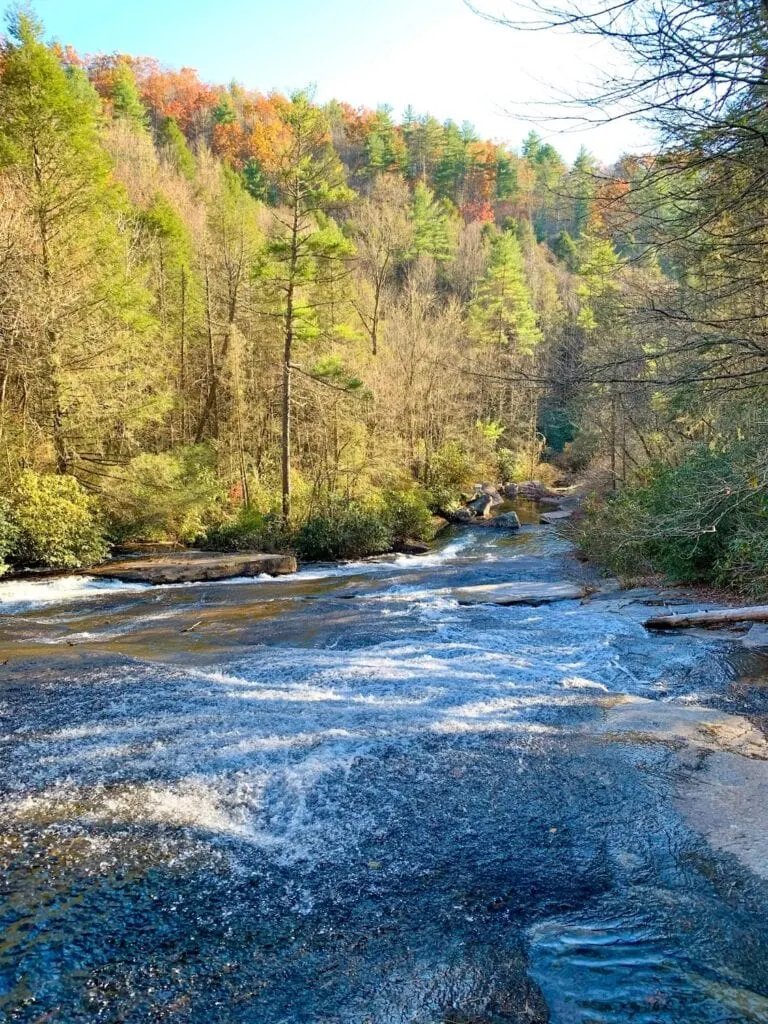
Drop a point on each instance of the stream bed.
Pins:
(343, 797)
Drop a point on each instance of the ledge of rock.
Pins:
(195, 567)
(519, 593)
(555, 517)
(683, 725)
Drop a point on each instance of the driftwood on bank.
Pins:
(721, 617)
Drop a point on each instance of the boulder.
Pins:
(555, 517)
(534, 491)
(491, 491)
(509, 491)
(756, 636)
(160, 547)
(463, 515)
(481, 505)
(196, 567)
(408, 546)
(506, 521)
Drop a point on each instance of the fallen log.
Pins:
(721, 617)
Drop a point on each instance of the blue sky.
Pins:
(435, 54)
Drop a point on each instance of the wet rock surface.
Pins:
(506, 521)
(518, 593)
(195, 567)
(389, 809)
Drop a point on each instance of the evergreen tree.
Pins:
(306, 249)
(170, 247)
(385, 150)
(432, 229)
(581, 188)
(224, 112)
(174, 146)
(126, 102)
(451, 170)
(501, 313)
(81, 312)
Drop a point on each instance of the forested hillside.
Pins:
(249, 319)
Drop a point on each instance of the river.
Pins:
(344, 797)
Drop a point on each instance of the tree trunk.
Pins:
(182, 355)
(286, 411)
(285, 453)
(211, 402)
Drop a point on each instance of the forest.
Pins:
(247, 320)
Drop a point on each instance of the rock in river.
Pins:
(481, 505)
(196, 567)
(409, 546)
(555, 517)
(519, 593)
(506, 521)
(463, 515)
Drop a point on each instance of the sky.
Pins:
(437, 55)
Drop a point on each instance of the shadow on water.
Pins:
(344, 797)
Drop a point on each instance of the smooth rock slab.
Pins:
(681, 725)
(756, 636)
(519, 593)
(555, 517)
(196, 567)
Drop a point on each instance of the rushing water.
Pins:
(342, 797)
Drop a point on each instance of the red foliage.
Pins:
(178, 94)
(229, 141)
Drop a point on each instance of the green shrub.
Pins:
(170, 496)
(250, 530)
(406, 513)
(9, 534)
(451, 471)
(558, 428)
(578, 454)
(704, 519)
(343, 529)
(611, 534)
(56, 523)
(745, 560)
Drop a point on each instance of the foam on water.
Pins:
(18, 595)
(21, 595)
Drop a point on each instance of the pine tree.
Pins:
(80, 310)
(126, 102)
(306, 248)
(174, 147)
(433, 233)
(501, 313)
(581, 188)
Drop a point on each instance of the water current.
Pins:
(344, 797)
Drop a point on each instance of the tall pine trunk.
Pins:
(285, 459)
